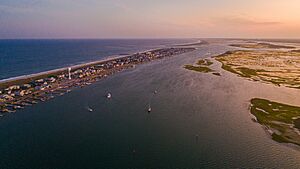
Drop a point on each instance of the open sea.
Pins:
(197, 120)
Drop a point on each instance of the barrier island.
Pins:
(27, 90)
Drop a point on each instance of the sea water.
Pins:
(197, 121)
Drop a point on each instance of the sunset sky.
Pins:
(149, 19)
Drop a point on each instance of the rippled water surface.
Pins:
(197, 121)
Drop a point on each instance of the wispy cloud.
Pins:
(121, 6)
(245, 21)
(9, 9)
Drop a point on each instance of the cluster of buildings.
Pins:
(19, 95)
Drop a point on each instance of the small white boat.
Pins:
(155, 91)
(108, 95)
(90, 109)
(149, 109)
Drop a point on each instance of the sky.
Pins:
(149, 19)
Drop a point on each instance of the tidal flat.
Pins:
(277, 67)
(261, 45)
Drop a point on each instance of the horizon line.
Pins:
(138, 38)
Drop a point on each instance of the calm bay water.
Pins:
(23, 57)
(119, 133)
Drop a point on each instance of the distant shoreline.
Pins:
(200, 42)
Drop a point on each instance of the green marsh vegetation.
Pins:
(203, 65)
(281, 120)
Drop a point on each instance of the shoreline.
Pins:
(65, 68)
(4, 83)
(107, 58)
(26, 90)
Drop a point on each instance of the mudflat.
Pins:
(271, 66)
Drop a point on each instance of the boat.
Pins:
(155, 91)
(108, 95)
(149, 109)
(90, 109)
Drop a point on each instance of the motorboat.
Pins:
(108, 95)
(149, 109)
(90, 109)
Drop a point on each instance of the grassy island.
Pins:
(255, 45)
(198, 68)
(202, 66)
(281, 120)
(276, 67)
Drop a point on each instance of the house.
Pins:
(7, 97)
(52, 79)
(14, 87)
(26, 86)
(40, 81)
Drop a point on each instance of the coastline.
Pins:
(5, 82)
(16, 93)
(199, 42)
(24, 78)
(10, 80)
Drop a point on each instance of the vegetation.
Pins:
(282, 120)
(254, 45)
(276, 67)
(204, 62)
(216, 73)
(198, 68)
(202, 66)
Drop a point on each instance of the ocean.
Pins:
(24, 57)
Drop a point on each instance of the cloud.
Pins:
(245, 21)
(8, 9)
(121, 6)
